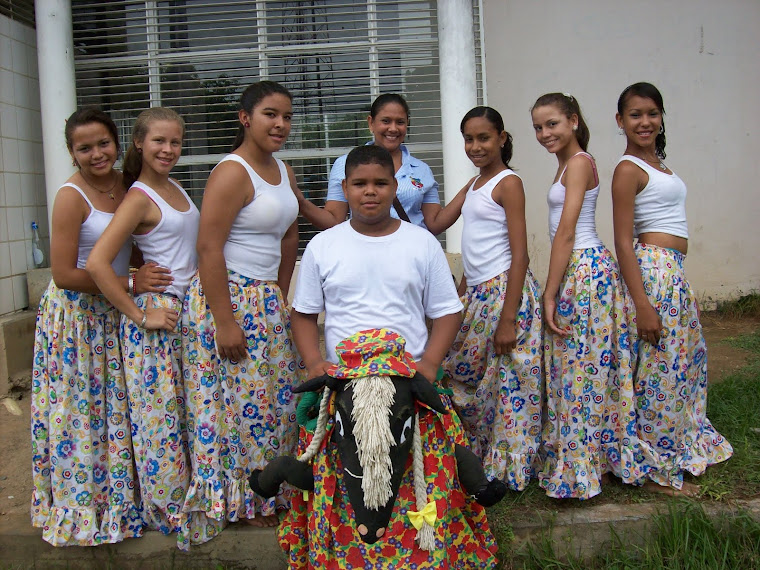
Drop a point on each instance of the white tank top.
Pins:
(90, 231)
(171, 243)
(585, 228)
(661, 205)
(253, 246)
(485, 236)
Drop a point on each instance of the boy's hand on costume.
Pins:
(429, 371)
(231, 342)
(505, 337)
(317, 369)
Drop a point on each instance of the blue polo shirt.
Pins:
(416, 185)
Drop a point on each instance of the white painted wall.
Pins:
(703, 55)
(22, 183)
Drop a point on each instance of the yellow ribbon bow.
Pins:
(426, 515)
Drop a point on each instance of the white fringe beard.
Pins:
(373, 397)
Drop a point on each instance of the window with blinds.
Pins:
(196, 56)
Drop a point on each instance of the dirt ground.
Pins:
(15, 449)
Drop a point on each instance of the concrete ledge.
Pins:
(584, 532)
(37, 280)
(16, 349)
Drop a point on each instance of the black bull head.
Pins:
(371, 523)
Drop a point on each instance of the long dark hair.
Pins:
(132, 164)
(493, 117)
(569, 106)
(85, 116)
(384, 99)
(648, 91)
(251, 97)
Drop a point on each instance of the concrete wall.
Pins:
(704, 56)
(22, 185)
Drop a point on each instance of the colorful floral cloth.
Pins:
(241, 415)
(498, 398)
(590, 425)
(82, 466)
(152, 362)
(319, 530)
(671, 378)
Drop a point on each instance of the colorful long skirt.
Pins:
(319, 531)
(241, 415)
(590, 425)
(671, 378)
(82, 467)
(152, 361)
(498, 397)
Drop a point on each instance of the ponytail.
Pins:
(569, 106)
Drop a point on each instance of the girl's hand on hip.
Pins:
(160, 317)
(151, 277)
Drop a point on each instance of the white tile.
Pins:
(6, 296)
(20, 293)
(14, 217)
(12, 184)
(5, 25)
(28, 189)
(19, 55)
(21, 90)
(36, 127)
(10, 155)
(29, 254)
(18, 257)
(23, 118)
(42, 220)
(34, 93)
(16, 31)
(7, 81)
(3, 228)
(1, 160)
(26, 159)
(5, 260)
(2, 188)
(29, 215)
(8, 120)
(30, 36)
(40, 193)
(6, 57)
(38, 161)
(33, 65)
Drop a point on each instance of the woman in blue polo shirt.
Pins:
(417, 189)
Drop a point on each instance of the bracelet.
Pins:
(131, 284)
(144, 319)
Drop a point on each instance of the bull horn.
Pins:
(426, 393)
(313, 385)
(266, 482)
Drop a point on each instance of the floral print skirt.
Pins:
(590, 424)
(498, 398)
(671, 378)
(241, 415)
(82, 467)
(152, 361)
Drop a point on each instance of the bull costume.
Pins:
(384, 481)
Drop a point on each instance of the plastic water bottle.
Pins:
(37, 253)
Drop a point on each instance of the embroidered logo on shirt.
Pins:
(416, 182)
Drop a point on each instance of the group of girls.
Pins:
(615, 381)
(157, 391)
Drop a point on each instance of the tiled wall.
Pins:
(22, 183)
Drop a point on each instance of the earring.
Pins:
(621, 131)
(662, 129)
(139, 150)
(575, 127)
(74, 162)
(247, 125)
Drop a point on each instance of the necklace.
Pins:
(657, 162)
(109, 191)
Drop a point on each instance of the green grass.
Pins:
(683, 537)
(733, 406)
(745, 306)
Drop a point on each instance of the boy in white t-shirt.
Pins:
(374, 271)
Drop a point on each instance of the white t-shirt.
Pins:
(364, 282)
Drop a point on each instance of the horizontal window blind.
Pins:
(19, 10)
(197, 56)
